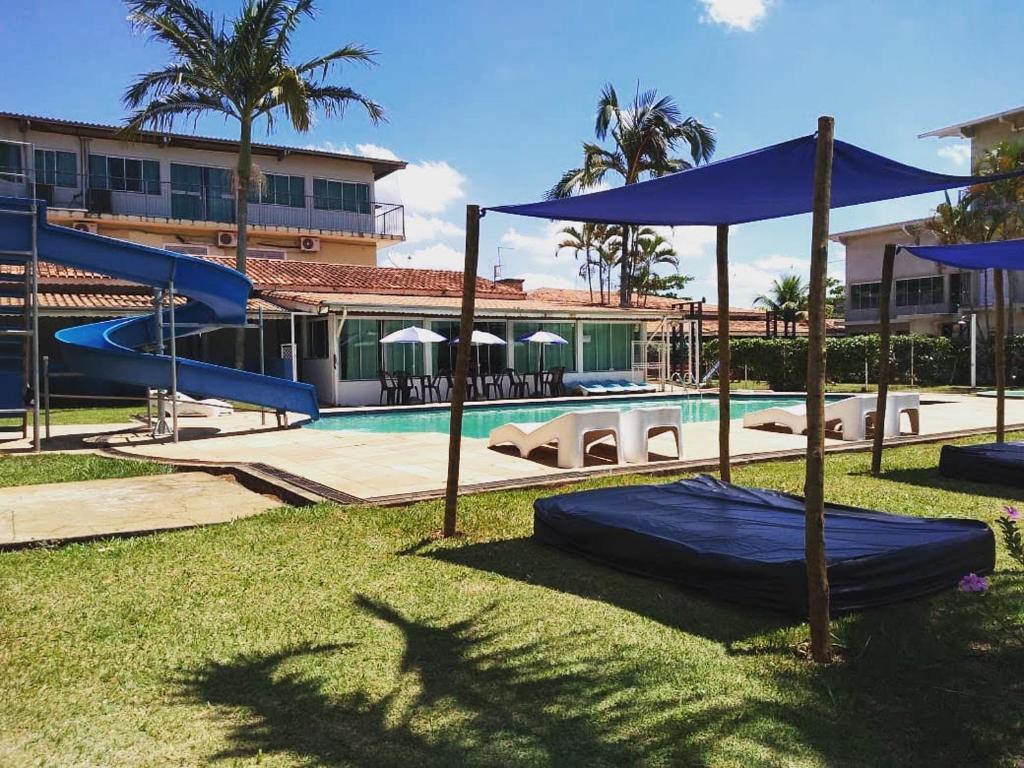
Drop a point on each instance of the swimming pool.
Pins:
(479, 420)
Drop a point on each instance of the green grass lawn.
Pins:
(347, 636)
(102, 415)
(64, 467)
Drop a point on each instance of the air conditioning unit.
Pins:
(309, 244)
(84, 226)
(227, 239)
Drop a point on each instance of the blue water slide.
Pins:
(121, 350)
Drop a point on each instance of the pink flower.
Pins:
(972, 582)
(1012, 512)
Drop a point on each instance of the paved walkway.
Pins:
(93, 508)
(377, 466)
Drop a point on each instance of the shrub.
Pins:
(917, 359)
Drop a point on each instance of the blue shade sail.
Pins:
(1003, 254)
(767, 183)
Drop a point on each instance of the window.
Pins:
(316, 339)
(279, 190)
(124, 174)
(401, 357)
(330, 195)
(864, 296)
(607, 346)
(527, 356)
(191, 250)
(10, 161)
(57, 168)
(359, 350)
(493, 358)
(202, 194)
(919, 291)
(266, 253)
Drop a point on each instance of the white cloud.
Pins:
(689, 242)
(419, 229)
(535, 280)
(783, 265)
(374, 150)
(735, 14)
(330, 146)
(958, 154)
(437, 256)
(540, 246)
(424, 187)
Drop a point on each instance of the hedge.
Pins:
(936, 360)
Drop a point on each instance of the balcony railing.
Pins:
(164, 200)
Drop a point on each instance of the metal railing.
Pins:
(167, 200)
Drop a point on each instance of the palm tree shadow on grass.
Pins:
(931, 684)
(526, 561)
(461, 696)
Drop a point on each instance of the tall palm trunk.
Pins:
(243, 182)
(590, 276)
(624, 269)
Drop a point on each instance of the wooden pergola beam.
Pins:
(724, 355)
(884, 343)
(451, 495)
(814, 480)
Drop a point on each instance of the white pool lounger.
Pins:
(851, 413)
(573, 432)
(639, 425)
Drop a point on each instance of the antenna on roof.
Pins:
(497, 262)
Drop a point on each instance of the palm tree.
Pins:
(787, 298)
(644, 135)
(653, 250)
(580, 240)
(238, 68)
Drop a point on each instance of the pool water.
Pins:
(478, 421)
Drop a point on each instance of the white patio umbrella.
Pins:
(479, 339)
(412, 335)
(543, 338)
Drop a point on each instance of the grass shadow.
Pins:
(929, 683)
(528, 562)
(461, 695)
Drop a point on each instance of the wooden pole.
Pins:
(1000, 345)
(451, 495)
(884, 302)
(814, 482)
(724, 362)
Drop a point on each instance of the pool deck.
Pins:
(398, 468)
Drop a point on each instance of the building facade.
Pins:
(177, 192)
(928, 298)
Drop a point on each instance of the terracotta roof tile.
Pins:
(114, 302)
(451, 304)
(269, 274)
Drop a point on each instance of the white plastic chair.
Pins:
(639, 425)
(898, 403)
(573, 432)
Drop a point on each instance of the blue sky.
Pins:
(489, 100)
